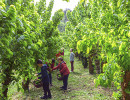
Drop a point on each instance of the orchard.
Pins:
(98, 32)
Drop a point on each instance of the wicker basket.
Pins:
(37, 83)
(59, 77)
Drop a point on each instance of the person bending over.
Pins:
(64, 71)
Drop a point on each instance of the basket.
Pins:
(59, 77)
(37, 83)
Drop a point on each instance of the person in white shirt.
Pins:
(72, 59)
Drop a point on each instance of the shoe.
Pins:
(49, 97)
(62, 87)
(44, 97)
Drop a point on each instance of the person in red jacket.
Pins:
(58, 54)
(64, 71)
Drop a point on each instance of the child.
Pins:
(45, 79)
(64, 71)
(72, 59)
(50, 67)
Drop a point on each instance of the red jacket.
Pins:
(63, 68)
(58, 55)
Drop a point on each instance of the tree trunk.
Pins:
(7, 81)
(79, 56)
(85, 62)
(102, 63)
(97, 63)
(124, 85)
(76, 54)
(25, 84)
(91, 69)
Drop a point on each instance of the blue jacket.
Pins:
(44, 74)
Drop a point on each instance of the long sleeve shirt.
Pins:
(72, 56)
(63, 68)
(44, 74)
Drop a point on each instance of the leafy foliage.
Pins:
(102, 27)
(26, 34)
(66, 0)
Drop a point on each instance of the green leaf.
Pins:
(66, 0)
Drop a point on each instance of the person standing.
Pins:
(72, 59)
(45, 79)
(64, 71)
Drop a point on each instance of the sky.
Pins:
(59, 4)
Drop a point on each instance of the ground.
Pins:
(80, 86)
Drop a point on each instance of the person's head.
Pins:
(60, 59)
(53, 60)
(39, 63)
(71, 50)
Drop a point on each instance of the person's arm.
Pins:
(39, 77)
(39, 73)
(56, 67)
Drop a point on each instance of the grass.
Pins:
(80, 86)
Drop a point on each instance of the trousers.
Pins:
(65, 81)
(46, 89)
(72, 66)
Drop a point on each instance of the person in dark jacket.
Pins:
(45, 79)
(64, 71)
